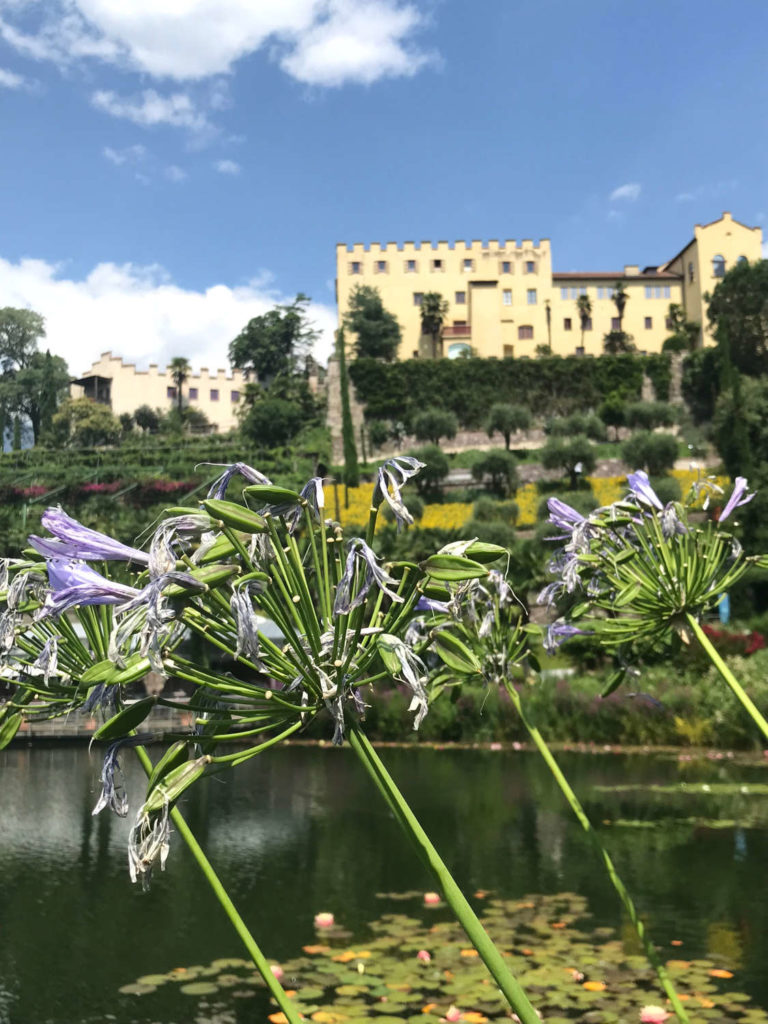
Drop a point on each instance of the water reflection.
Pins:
(303, 831)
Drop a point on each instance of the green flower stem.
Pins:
(586, 824)
(466, 916)
(228, 906)
(728, 676)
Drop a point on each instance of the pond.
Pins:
(301, 830)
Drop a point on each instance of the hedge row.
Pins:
(468, 387)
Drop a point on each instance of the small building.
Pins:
(123, 388)
(505, 300)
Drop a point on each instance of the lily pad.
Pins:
(199, 988)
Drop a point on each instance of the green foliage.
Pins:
(351, 468)
(740, 426)
(575, 457)
(377, 331)
(497, 469)
(274, 343)
(738, 314)
(667, 488)
(81, 422)
(429, 481)
(613, 411)
(505, 419)
(684, 336)
(470, 387)
(434, 423)
(379, 432)
(702, 371)
(491, 531)
(654, 452)
(271, 422)
(647, 415)
(577, 423)
(179, 367)
(490, 510)
(658, 368)
(617, 343)
(32, 383)
(147, 418)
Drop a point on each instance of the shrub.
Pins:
(506, 419)
(654, 452)
(613, 411)
(667, 488)
(647, 415)
(429, 481)
(493, 531)
(491, 510)
(379, 432)
(576, 457)
(577, 423)
(271, 422)
(498, 470)
(432, 424)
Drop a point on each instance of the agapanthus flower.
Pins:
(360, 555)
(313, 494)
(640, 486)
(219, 487)
(74, 583)
(738, 498)
(73, 540)
(563, 515)
(403, 664)
(112, 782)
(391, 477)
(47, 660)
(558, 632)
(246, 620)
(162, 555)
(148, 844)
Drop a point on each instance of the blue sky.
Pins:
(170, 170)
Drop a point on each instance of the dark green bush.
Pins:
(497, 469)
(654, 452)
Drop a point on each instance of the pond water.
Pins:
(302, 830)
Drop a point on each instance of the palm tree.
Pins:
(584, 306)
(179, 367)
(433, 311)
(620, 297)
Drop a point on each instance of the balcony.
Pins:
(457, 331)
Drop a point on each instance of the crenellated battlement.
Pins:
(476, 247)
(108, 365)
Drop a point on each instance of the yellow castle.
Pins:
(505, 300)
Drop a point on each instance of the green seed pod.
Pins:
(455, 653)
(174, 783)
(235, 516)
(453, 568)
(124, 721)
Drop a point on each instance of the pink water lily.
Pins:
(653, 1015)
(324, 919)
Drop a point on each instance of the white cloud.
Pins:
(127, 155)
(10, 80)
(227, 166)
(321, 42)
(765, 251)
(630, 192)
(685, 197)
(175, 174)
(140, 313)
(151, 108)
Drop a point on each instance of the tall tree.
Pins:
(434, 309)
(584, 307)
(738, 313)
(32, 383)
(377, 331)
(351, 468)
(179, 367)
(683, 333)
(275, 343)
(620, 299)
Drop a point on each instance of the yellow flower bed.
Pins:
(527, 498)
(607, 489)
(356, 514)
(688, 477)
(450, 516)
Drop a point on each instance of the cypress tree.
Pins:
(351, 469)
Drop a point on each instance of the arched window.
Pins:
(691, 272)
(718, 266)
(742, 259)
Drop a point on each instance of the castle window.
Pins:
(192, 394)
(506, 267)
(234, 396)
(214, 394)
(530, 267)
(509, 351)
(460, 298)
(525, 332)
(588, 324)
(648, 323)
(531, 296)
(410, 266)
(567, 324)
(170, 392)
(666, 291)
(355, 267)
(574, 293)
(582, 291)
(418, 298)
(615, 323)
(381, 266)
(468, 266)
(563, 293)
(506, 296)
(742, 259)
(691, 272)
(437, 264)
(648, 292)
(718, 266)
